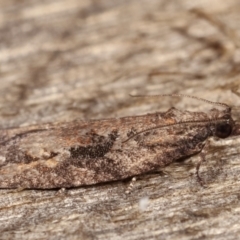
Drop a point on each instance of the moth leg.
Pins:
(61, 191)
(201, 160)
(19, 189)
(131, 185)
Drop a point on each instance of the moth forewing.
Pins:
(59, 155)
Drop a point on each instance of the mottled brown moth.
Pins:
(58, 155)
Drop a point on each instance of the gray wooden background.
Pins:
(68, 59)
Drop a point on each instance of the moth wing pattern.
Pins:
(87, 152)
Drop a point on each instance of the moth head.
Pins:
(223, 129)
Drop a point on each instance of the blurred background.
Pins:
(68, 59)
(62, 60)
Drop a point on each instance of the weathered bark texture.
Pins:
(68, 59)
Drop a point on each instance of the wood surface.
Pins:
(68, 59)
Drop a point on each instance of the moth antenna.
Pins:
(174, 124)
(187, 96)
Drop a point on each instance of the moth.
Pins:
(71, 154)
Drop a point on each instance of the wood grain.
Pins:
(67, 59)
